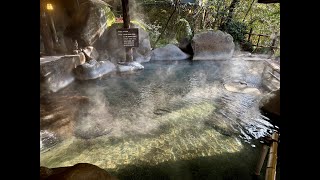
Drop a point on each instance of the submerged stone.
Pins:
(241, 87)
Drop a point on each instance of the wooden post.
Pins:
(126, 25)
(249, 34)
(273, 43)
(258, 40)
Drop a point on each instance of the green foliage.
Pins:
(183, 29)
(213, 14)
(156, 19)
(154, 31)
(236, 29)
(262, 18)
(246, 46)
(110, 16)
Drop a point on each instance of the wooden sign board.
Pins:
(128, 37)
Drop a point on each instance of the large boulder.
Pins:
(270, 103)
(89, 22)
(56, 71)
(169, 52)
(212, 45)
(93, 69)
(109, 47)
(80, 171)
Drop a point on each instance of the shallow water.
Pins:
(172, 120)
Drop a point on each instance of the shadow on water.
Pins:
(226, 166)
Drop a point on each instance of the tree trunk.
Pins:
(218, 15)
(248, 10)
(167, 23)
(203, 23)
(232, 6)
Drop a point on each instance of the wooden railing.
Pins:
(272, 43)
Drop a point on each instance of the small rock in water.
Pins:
(161, 111)
(93, 69)
(241, 87)
(131, 66)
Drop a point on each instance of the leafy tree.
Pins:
(236, 17)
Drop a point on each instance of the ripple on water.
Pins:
(167, 112)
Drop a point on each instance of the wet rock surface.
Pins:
(131, 66)
(90, 53)
(169, 52)
(270, 103)
(93, 69)
(80, 171)
(89, 22)
(56, 72)
(212, 45)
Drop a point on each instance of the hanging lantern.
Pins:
(49, 7)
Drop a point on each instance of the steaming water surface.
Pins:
(173, 120)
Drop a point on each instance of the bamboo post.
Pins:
(272, 74)
(264, 153)
(272, 160)
(126, 25)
